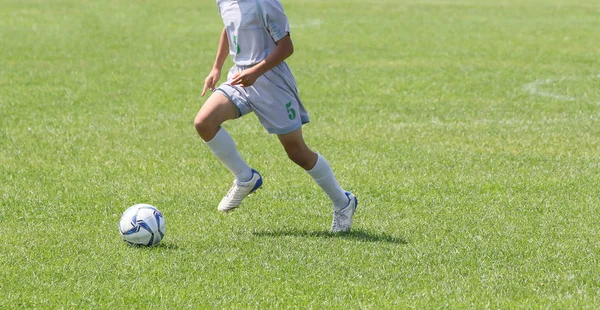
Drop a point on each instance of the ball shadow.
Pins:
(162, 246)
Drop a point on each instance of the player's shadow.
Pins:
(358, 235)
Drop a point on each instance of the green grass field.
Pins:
(468, 129)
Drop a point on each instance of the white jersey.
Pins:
(253, 27)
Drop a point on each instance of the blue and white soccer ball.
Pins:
(142, 224)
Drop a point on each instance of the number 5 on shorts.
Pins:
(291, 111)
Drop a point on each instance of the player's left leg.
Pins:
(344, 203)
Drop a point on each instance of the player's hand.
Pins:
(245, 78)
(211, 80)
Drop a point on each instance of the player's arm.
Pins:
(222, 51)
(283, 50)
(215, 74)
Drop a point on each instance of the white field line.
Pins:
(534, 88)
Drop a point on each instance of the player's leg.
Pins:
(215, 111)
(315, 164)
(344, 203)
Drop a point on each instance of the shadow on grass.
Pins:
(359, 235)
(163, 246)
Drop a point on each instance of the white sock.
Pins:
(223, 146)
(323, 175)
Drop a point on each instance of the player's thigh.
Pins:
(216, 110)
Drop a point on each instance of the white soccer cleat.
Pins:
(239, 191)
(342, 219)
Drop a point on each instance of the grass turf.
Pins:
(468, 130)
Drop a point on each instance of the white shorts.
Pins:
(273, 98)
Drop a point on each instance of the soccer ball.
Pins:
(142, 224)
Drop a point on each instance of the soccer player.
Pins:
(257, 36)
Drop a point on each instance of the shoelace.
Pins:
(233, 190)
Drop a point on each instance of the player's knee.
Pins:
(199, 124)
(205, 128)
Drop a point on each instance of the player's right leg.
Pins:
(215, 111)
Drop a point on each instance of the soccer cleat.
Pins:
(239, 191)
(342, 219)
